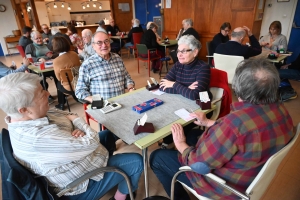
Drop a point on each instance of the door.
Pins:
(145, 10)
(294, 42)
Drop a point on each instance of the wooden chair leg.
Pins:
(138, 65)
(149, 68)
(66, 97)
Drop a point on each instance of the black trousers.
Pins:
(61, 91)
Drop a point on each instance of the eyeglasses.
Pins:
(184, 51)
(100, 43)
(39, 38)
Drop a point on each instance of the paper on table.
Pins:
(158, 92)
(184, 114)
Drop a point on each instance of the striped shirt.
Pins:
(237, 146)
(109, 78)
(185, 75)
(46, 147)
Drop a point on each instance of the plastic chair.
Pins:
(21, 51)
(227, 64)
(258, 186)
(146, 55)
(136, 40)
(20, 183)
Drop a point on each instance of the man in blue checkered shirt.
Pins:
(103, 73)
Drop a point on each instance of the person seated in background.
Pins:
(274, 40)
(113, 30)
(67, 59)
(158, 38)
(101, 26)
(5, 70)
(75, 148)
(46, 33)
(25, 39)
(221, 37)
(38, 50)
(56, 33)
(291, 70)
(234, 46)
(74, 37)
(149, 39)
(187, 25)
(88, 49)
(236, 146)
(103, 73)
(187, 77)
(135, 29)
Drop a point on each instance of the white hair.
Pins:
(54, 30)
(33, 34)
(136, 22)
(17, 91)
(148, 25)
(191, 41)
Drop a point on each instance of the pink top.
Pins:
(76, 41)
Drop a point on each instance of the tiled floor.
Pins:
(140, 80)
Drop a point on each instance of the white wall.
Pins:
(42, 13)
(7, 23)
(281, 11)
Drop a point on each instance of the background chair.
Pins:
(227, 64)
(19, 183)
(209, 53)
(146, 55)
(258, 186)
(136, 40)
(21, 51)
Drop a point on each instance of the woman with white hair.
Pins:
(188, 76)
(61, 146)
(38, 50)
(136, 28)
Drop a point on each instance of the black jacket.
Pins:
(134, 30)
(191, 31)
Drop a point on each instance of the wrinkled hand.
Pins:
(193, 85)
(247, 30)
(77, 133)
(71, 117)
(26, 62)
(285, 66)
(164, 83)
(201, 118)
(178, 134)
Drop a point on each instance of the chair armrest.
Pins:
(94, 173)
(216, 101)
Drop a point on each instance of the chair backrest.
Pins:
(173, 55)
(217, 94)
(142, 49)
(70, 76)
(20, 182)
(137, 37)
(21, 51)
(209, 52)
(261, 182)
(227, 64)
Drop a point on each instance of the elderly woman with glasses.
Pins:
(38, 50)
(61, 146)
(188, 76)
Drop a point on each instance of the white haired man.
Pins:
(88, 49)
(136, 28)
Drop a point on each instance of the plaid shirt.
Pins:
(237, 146)
(109, 78)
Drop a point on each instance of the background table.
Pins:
(120, 38)
(121, 122)
(41, 72)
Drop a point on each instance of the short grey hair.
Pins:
(256, 81)
(87, 32)
(153, 25)
(96, 34)
(101, 22)
(136, 22)
(54, 30)
(188, 21)
(33, 34)
(148, 25)
(191, 41)
(238, 34)
(17, 91)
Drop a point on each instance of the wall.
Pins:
(8, 23)
(281, 11)
(122, 19)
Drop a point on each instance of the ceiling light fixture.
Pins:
(54, 6)
(88, 5)
(69, 8)
(62, 5)
(94, 5)
(100, 7)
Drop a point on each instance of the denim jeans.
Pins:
(107, 139)
(130, 163)
(165, 164)
(292, 74)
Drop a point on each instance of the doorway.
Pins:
(294, 42)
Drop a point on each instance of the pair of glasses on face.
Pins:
(184, 51)
(100, 43)
(39, 38)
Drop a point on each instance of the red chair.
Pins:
(136, 40)
(146, 55)
(88, 117)
(21, 51)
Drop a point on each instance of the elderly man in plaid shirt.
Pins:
(236, 146)
(103, 73)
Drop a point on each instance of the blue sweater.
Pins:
(4, 70)
(185, 75)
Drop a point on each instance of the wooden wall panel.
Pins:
(171, 22)
(202, 16)
(242, 4)
(220, 13)
(122, 19)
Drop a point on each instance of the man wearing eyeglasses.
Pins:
(46, 33)
(103, 73)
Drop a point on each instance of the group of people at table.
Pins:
(62, 147)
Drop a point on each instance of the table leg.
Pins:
(44, 84)
(145, 159)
